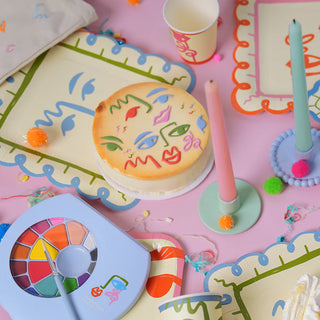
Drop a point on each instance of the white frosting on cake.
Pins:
(304, 302)
(152, 140)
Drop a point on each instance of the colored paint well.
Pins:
(41, 226)
(91, 267)
(55, 221)
(57, 236)
(18, 267)
(70, 284)
(38, 270)
(47, 287)
(37, 252)
(89, 242)
(83, 278)
(77, 231)
(94, 254)
(32, 291)
(28, 237)
(23, 281)
(19, 252)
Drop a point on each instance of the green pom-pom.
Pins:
(273, 185)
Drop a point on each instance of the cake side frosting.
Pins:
(304, 302)
(150, 131)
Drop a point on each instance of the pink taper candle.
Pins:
(225, 176)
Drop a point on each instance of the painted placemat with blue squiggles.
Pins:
(59, 92)
(258, 284)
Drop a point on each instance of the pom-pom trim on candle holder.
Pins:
(37, 137)
(226, 222)
(273, 185)
(283, 150)
(300, 169)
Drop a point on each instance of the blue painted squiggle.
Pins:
(91, 39)
(226, 299)
(317, 235)
(291, 247)
(48, 170)
(59, 113)
(73, 81)
(236, 270)
(279, 303)
(163, 98)
(263, 259)
(67, 124)
(201, 124)
(314, 116)
(142, 59)
(154, 91)
(314, 89)
(166, 67)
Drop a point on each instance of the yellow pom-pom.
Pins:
(226, 222)
(37, 137)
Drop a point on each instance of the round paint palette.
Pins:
(67, 241)
(103, 269)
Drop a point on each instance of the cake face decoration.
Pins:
(150, 131)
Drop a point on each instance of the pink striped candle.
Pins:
(226, 182)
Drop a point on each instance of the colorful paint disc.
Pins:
(103, 269)
(71, 246)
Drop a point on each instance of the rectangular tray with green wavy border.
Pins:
(258, 284)
(62, 88)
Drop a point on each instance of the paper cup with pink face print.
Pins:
(197, 306)
(193, 25)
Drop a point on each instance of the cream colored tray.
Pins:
(59, 92)
(258, 284)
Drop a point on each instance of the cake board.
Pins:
(157, 196)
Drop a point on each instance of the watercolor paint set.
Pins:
(98, 263)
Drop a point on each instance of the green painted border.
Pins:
(284, 266)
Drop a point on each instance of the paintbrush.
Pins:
(64, 295)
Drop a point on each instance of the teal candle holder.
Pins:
(245, 210)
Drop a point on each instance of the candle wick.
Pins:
(294, 20)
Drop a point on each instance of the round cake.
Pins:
(152, 140)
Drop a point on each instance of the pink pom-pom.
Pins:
(300, 169)
(217, 57)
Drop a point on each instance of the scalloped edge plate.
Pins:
(19, 110)
(257, 284)
(249, 95)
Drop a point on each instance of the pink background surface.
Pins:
(249, 137)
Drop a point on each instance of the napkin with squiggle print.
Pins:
(28, 28)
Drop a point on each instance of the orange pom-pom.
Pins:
(134, 2)
(226, 222)
(37, 137)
